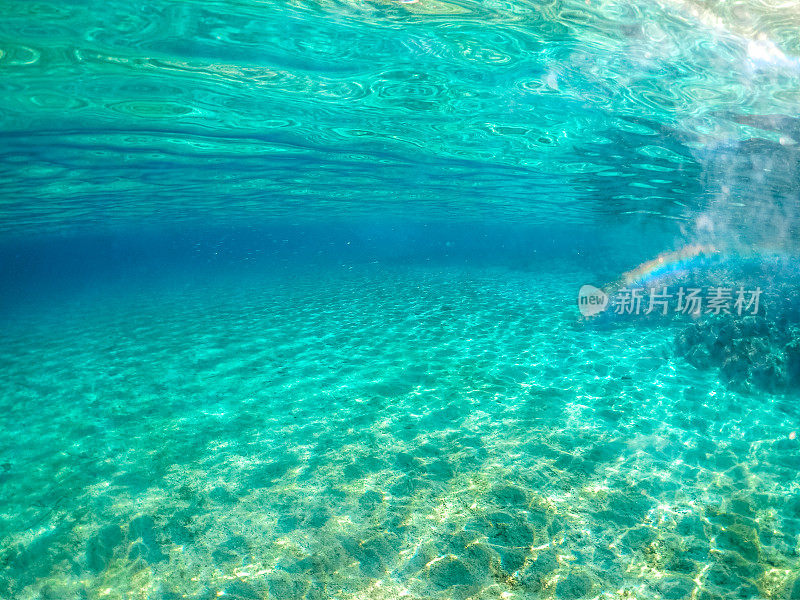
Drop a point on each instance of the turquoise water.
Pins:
(289, 300)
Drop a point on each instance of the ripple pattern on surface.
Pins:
(191, 110)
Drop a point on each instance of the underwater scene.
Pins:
(400, 299)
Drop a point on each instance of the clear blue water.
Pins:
(289, 300)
